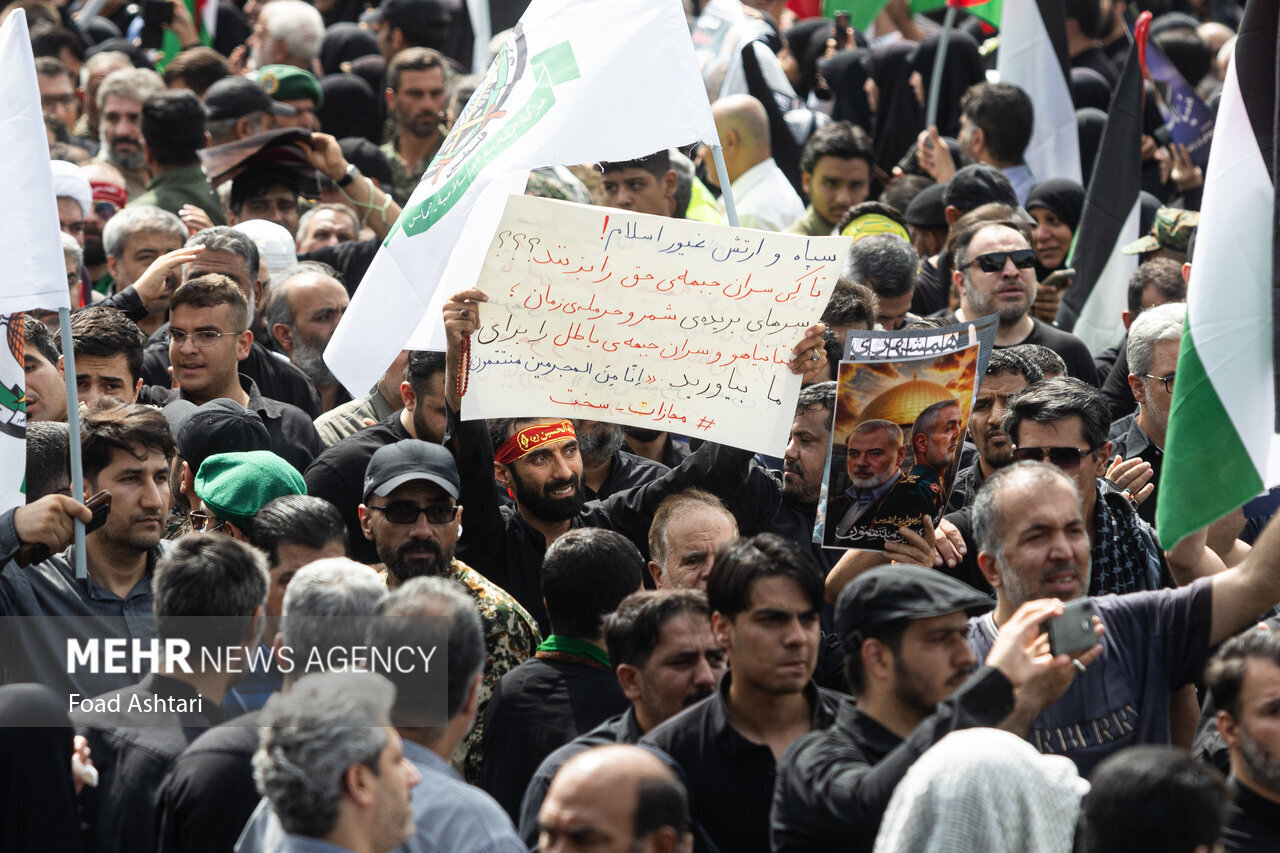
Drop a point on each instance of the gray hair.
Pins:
(1153, 326)
(278, 309)
(305, 219)
(71, 249)
(117, 58)
(137, 84)
(989, 521)
(884, 262)
(297, 25)
(927, 420)
(879, 425)
(222, 238)
(327, 605)
(429, 612)
(310, 736)
(135, 219)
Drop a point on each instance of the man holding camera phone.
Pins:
(1033, 544)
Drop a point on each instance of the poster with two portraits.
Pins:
(901, 418)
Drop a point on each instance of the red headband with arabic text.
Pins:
(531, 438)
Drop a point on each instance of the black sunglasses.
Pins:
(1066, 458)
(1023, 259)
(404, 512)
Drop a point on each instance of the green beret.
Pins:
(234, 486)
(288, 83)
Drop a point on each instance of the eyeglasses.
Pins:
(1023, 259)
(1167, 380)
(1066, 458)
(404, 512)
(202, 339)
(104, 210)
(202, 522)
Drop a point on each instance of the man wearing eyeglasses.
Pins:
(208, 338)
(411, 514)
(1152, 352)
(994, 270)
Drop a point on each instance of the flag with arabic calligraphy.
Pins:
(575, 81)
(35, 273)
(1189, 119)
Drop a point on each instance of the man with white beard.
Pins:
(874, 454)
(307, 301)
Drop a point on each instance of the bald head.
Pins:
(615, 798)
(743, 126)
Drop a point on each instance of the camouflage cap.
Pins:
(288, 83)
(1171, 230)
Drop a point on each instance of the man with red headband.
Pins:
(538, 463)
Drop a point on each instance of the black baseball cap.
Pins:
(887, 594)
(979, 184)
(235, 97)
(219, 426)
(929, 208)
(407, 460)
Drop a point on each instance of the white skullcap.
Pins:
(274, 243)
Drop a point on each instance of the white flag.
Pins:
(576, 81)
(35, 273)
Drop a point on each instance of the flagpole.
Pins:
(73, 423)
(722, 174)
(939, 64)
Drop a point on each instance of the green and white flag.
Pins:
(575, 81)
(1222, 444)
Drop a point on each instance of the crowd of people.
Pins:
(634, 642)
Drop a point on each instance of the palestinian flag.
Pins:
(204, 13)
(1221, 448)
(1092, 305)
(1033, 57)
(863, 12)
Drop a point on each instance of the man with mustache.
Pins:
(410, 513)
(912, 675)
(873, 456)
(1033, 542)
(666, 658)
(608, 465)
(120, 99)
(417, 95)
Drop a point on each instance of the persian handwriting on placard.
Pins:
(664, 412)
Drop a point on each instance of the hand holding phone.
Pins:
(1072, 632)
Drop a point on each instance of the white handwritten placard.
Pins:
(666, 324)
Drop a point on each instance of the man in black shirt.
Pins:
(911, 672)
(208, 341)
(1244, 678)
(337, 474)
(765, 597)
(569, 686)
(608, 466)
(1089, 21)
(666, 658)
(135, 741)
(994, 270)
(209, 796)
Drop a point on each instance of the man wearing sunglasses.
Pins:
(410, 512)
(994, 270)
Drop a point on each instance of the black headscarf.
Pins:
(344, 42)
(350, 108)
(964, 68)
(801, 40)
(845, 74)
(1062, 197)
(1090, 89)
(900, 118)
(1090, 123)
(36, 789)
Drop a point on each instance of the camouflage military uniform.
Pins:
(917, 493)
(403, 179)
(510, 638)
